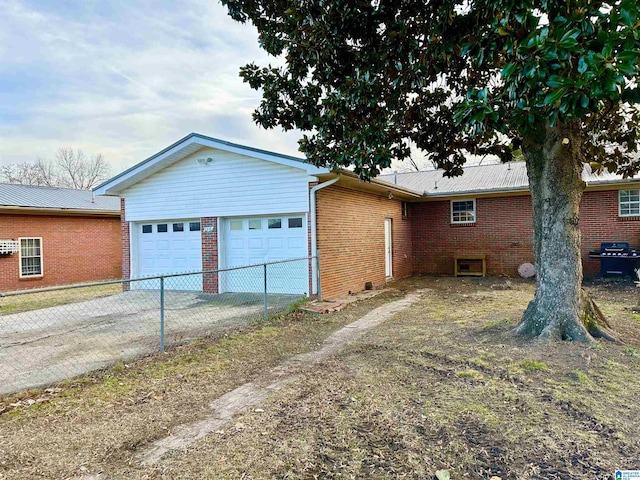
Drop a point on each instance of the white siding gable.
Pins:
(230, 185)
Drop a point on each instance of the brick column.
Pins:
(209, 232)
(125, 233)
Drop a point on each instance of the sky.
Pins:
(125, 79)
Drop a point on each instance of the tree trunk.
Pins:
(560, 308)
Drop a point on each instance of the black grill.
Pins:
(617, 259)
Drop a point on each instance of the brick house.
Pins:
(203, 203)
(55, 236)
(488, 211)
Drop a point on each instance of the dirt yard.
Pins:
(442, 385)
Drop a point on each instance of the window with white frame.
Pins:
(30, 257)
(463, 211)
(629, 203)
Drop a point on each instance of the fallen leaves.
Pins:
(28, 399)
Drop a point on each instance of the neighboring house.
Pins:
(204, 203)
(56, 236)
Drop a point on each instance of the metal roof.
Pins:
(36, 197)
(504, 177)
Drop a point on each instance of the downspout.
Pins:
(314, 244)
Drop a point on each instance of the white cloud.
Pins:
(125, 79)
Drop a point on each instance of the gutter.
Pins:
(17, 209)
(314, 241)
(467, 193)
(625, 181)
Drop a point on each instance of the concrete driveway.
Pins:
(45, 346)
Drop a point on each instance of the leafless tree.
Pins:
(79, 171)
(71, 169)
(47, 173)
(24, 173)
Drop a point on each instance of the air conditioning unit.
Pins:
(9, 247)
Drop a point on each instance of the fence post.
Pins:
(265, 292)
(318, 286)
(161, 314)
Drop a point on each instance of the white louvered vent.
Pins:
(7, 247)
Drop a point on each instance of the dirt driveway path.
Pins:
(44, 346)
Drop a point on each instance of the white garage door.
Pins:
(250, 241)
(172, 246)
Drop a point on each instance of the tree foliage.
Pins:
(553, 81)
(455, 77)
(71, 169)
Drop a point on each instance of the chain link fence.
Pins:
(51, 334)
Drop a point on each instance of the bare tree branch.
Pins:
(71, 169)
(22, 173)
(46, 173)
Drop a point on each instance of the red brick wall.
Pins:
(209, 253)
(75, 249)
(599, 222)
(350, 236)
(503, 232)
(125, 238)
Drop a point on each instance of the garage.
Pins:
(253, 206)
(256, 240)
(172, 246)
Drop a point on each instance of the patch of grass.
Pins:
(579, 376)
(530, 365)
(35, 301)
(474, 374)
(119, 367)
(479, 362)
(295, 306)
(633, 352)
(597, 345)
(500, 323)
(484, 358)
(612, 365)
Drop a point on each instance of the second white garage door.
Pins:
(255, 240)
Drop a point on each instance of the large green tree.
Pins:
(554, 79)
